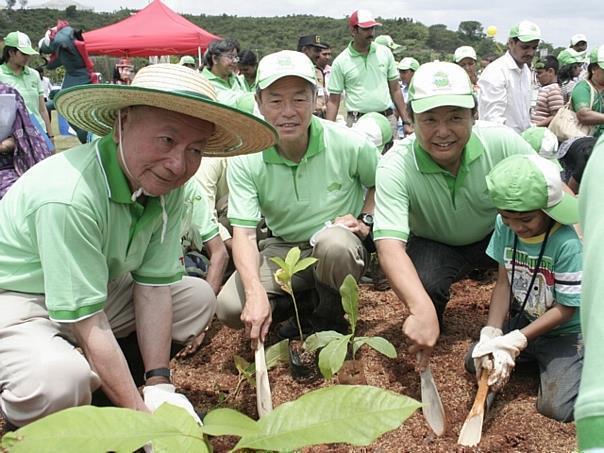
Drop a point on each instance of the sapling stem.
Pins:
(297, 316)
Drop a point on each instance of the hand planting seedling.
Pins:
(335, 346)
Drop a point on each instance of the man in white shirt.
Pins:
(505, 85)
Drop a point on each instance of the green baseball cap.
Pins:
(597, 56)
(375, 126)
(524, 183)
(408, 63)
(20, 41)
(187, 59)
(386, 40)
(570, 56)
(542, 140)
(526, 31)
(438, 84)
(282, 64)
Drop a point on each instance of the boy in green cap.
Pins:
(540, 267)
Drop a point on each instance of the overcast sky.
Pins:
(558, 20)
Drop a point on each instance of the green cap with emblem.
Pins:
(597, 56)
(440, 84)
(408, 63)
(282, 64)
(386, 40)
(526, 31)
(376, 127)
(20, 41)
(528, 182)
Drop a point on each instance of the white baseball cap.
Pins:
(282, 64)
(526, 31)
(577, 38)
(437, 84)
(464, 52)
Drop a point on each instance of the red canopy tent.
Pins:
(154, 30)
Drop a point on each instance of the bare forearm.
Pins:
(153, 315)
(369, 205)
(552, 318)
(247, 259)
(398, 100)
(500, 300)
(332, 107)
(590, 117)
(105, 357)
(44, 115)
(219, 260)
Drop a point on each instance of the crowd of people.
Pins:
(116, 255)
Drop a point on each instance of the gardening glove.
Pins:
(504, 349)
(487, 333)
(156, 395)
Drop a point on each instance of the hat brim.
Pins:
(262, 84)
(369, 24)
(566, 211)
(27, 50)
(94, 108)
(529, 38)
(454, 100)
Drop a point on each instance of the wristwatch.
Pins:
(163, 372)
(366, 218)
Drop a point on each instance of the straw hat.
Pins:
(171, 87)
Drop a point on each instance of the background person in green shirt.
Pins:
(587, 98)
(220, 68)
(433, 217)
(15, 72)
(91, 246)
(310, 189)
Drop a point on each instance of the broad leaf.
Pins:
(284, 280)
(243, 366)
(321, 339)
(276, 353)
(293, 256)
(228, 422)
(100, 429)
(279, 262)
(353, 414)
(332, 356)
(303, 264)
(349, 291)
(380, 344)
(181, 419)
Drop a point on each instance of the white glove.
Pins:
(487, 333)
(156, 395)
(504, 349)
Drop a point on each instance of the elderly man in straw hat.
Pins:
(310, 188)
(91, 253)
(433, 219)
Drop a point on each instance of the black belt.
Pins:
(386, 113)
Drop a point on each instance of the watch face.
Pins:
(367, 219)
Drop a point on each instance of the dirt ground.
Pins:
(512, 425)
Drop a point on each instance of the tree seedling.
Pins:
(334, 345)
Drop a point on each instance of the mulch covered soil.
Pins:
(512, 425)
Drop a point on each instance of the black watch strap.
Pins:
(155, 372)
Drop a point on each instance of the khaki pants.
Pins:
(339, 253)
(41, 372)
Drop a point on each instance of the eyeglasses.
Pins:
(231, 56)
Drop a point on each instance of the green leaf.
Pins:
(292, 258)
(380, 344)
(349, 291)
(332, 356)
(182, 420)
(321, 339)
(276, 353)
(353, 414)
(279, 262)
(100, 429)
(228, 422)
(242, 365)
(303, 264)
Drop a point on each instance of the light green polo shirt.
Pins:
(227, 91)
(296, 199)
(364, 78)
(415, 195)
(68, 226)
(246, 86)
(29, 86)
(198, 224)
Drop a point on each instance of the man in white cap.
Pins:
(367, 73)
(188, 61)
(433, 218)
(505, 84)
(314, 190)
(578, 42)
(91, 253)
(465, 56)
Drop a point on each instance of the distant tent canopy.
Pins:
(154, 30)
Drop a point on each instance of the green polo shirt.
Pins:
(364, 78)
(246, 86)
(198, 224)
(415, 195)
(296, 199)
(68, 226)
(227, 91)
(29, 86)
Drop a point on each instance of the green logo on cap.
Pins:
(441, 80)
(284, 61)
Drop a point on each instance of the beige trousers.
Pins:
(338, 251)
(42, 372)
